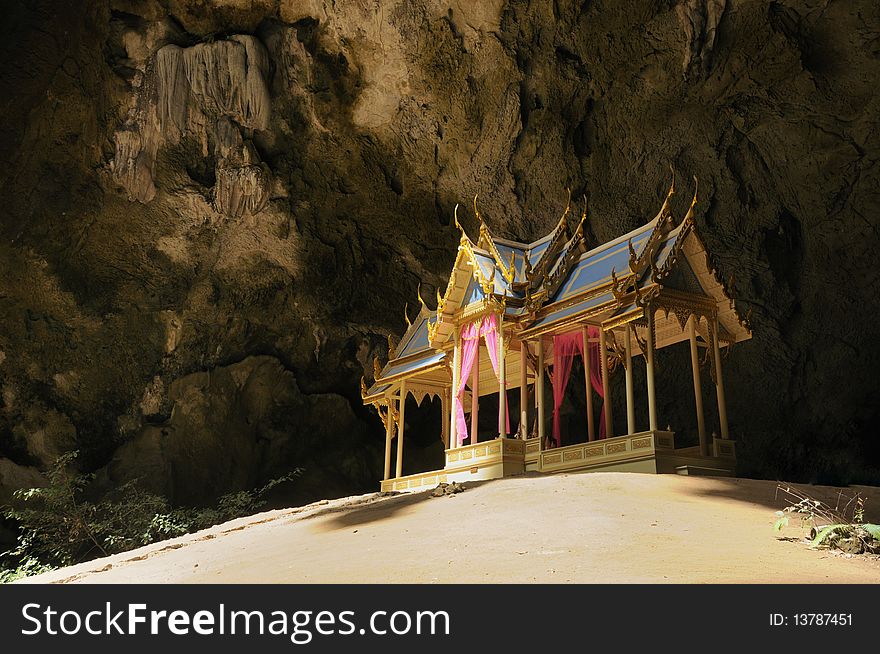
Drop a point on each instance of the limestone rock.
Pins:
(230, 428)
(209, 92)
(383, 116)
(14, 477)
(133, 163)
(699, 19)
(44, 433)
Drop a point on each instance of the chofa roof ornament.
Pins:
(665, 223)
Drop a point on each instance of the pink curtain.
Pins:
(490, 333)
(470, 347)
(565, 348)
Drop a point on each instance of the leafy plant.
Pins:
(840, 527)
(59, 526)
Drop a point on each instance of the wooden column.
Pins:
(591, 428)
(719, 382)
(502, 377)
(649, 369)
(630, 400)
(698, 392)
(444, 410)
(539, 392)
(389, 432)
(401, 409)
(475, 398)
(456, 368)
(523, 391)
(606, 384)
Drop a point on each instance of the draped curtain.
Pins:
(470, 347)
(565, 348)
(491, 336)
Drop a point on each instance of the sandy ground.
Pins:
(598, 527)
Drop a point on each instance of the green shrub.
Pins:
(840, 527)
(58, 526)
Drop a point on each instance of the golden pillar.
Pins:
(502, 378)
(649, 366)
(719, 382)
(591, 428)
(523, 391)
(475, 398)
(630, 400)
(456, 372)
(606, 384)
(539, 392)
(698, 392)
(389, 432)
(401, 410)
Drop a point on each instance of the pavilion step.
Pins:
(702, 471)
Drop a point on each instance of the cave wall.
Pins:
(213, 213)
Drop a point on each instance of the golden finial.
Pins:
(464, 235)
(489, 285)
(656, 274)
(421, 301)
(406, 315)
(580, 227)
(439, 300)
(390, 345)
(363, 387)
(377, 369)
(477, 211)
(689, 216)
(512, 265)
(633, 257)
(485, 240)
(527, 267)
(566, 212)
(665, 216)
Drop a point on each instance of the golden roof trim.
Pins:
(639, 263)
(410, 373)
(487, 243)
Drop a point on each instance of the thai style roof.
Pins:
(557, 282)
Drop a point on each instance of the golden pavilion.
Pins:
(522, 312)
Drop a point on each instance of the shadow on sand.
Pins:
(759, 493)
(381, 508)
(767, 493)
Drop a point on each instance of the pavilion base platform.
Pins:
(502, 457)
(646, 452)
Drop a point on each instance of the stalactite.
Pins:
(699, 19)
(211, 91)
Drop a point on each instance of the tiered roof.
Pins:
(556, 281)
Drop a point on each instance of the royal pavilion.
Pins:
(524, 312)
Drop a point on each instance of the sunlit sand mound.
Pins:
(599, 527)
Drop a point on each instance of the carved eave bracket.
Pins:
(623, 287)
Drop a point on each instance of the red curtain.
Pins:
(565, 348)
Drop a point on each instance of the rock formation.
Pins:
(699, 20)
(214, 213)
(214, 93)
